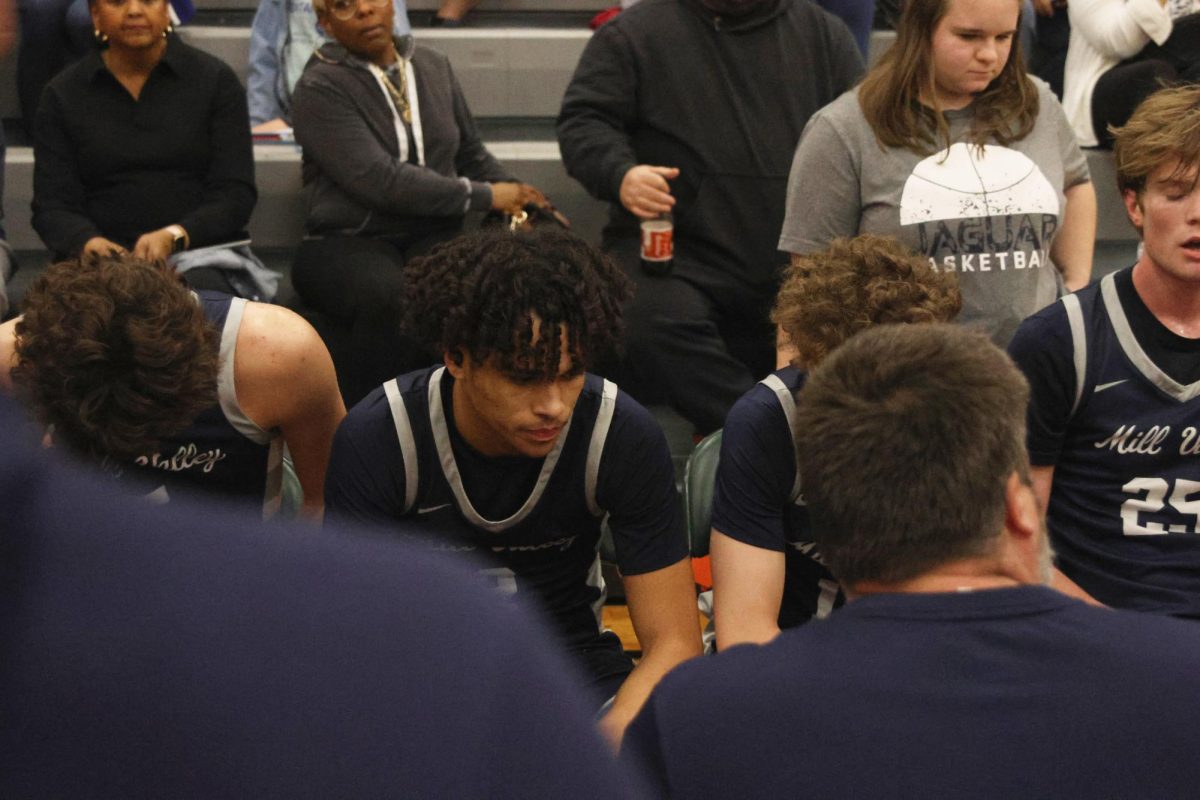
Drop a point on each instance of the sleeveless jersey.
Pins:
(1124, 510)
(549, 547)
(765, 418)
(222, 451)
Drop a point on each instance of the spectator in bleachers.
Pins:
(1120, 52)
(509, 450)
(950, 147)
(670, 112)
(284, 35)
(171, 392)
(55, 33)
(180, 652)
(144, 147)
(1115, 377)
(953, 671)
(392, 163)
(767, 573)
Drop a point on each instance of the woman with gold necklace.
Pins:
(144, 146)
(392, 163)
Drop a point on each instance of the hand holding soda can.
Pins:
(658, 245)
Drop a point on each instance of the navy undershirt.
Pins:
(1177, 356)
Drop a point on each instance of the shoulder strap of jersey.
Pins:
(604, 415)
(408, 444)
(787, 401)
(1078, 345)
(226, 386)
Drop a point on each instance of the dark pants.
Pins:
(691, 344)
(359, 284)
(54, 33)
(1122, 88)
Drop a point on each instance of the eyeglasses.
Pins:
(345, 9)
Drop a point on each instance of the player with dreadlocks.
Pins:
(510, 450)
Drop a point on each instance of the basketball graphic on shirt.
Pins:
(967, 181)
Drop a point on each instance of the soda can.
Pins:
(658, 245)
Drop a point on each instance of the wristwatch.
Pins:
(181, 239)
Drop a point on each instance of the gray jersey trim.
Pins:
(787, 402)
(408, 444)
(1078, 343)
(1134, 351)
(608, 404)
(226, 390)
(227, 397)
(441, 438)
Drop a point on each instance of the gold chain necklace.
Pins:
(399, 93)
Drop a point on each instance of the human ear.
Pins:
(1133, 207)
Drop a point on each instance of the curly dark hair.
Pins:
(474, 296)
(829, 296)
(116, 354)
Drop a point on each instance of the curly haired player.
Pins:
(510, 450)
(767, 574)
(175, 390)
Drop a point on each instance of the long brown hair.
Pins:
(891, 94)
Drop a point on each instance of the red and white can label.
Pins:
(658, 240)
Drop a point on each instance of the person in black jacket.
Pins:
(694, 107)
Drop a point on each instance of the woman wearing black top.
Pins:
(143, 146)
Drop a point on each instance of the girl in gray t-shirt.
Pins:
(950, 147)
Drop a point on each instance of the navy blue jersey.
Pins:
(1000, 693)
(218, 663)
(758, 501)
(1124, 440)
(223, 450)
(398, 456)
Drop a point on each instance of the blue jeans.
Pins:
(53, 34)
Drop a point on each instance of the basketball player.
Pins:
(767, 573)
(510, 450)
(176, 391)
(1114, 418)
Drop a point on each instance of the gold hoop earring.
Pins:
(101, 38)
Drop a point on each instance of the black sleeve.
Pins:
(229, 190)
(365, 480)
(59, 197)
(756, 472)
(847, 68)
(636, 486)
(1043, 349)
(599, 110)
